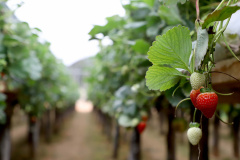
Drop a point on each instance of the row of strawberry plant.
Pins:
(31, 76)
(117, 86)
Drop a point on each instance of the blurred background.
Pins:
(72, 83)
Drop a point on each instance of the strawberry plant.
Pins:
(31, 76)
(179, 55)
(176, 57)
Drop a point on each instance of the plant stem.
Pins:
(224, 94)
(224, 39)
(225, 74)
(222, 120)
(220, 5)
(229, 2)
(180, 103)
(221, 30)
(195, 111)
(193, 60)
(218, 34)
(197, 9)
(208, 76)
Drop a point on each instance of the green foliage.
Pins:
(172, 2)
(201, 46)
(31, 71)
(141, 46)
(220, 15)
(112, 23)
(162, 78)
(178, 96)
(170, 15)
(116, 80)
(119, 68)
(173, 48)
(149, 2)
(170, 51)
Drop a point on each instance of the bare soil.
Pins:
(81, 138)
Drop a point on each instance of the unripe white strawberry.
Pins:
(197, 80)
(194, 135)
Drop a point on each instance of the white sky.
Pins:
(66, 23)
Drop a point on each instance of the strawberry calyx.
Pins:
(205, 90)
(201, 71)
(194, 124)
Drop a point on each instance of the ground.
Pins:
(81, 138)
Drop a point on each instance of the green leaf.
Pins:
(12, 41)
(165, 29)
(173, 48)
(170, 14)
(135, 25)
(112, 23)
(32, 66)
(220, 15)
(141, 46)
(129, 107)
(153, 30)
(178, 96)
(140, 14)
(149, 2)
(37, 29)
(162, 78)
(186, 89)
(172, 2)
(201, 46)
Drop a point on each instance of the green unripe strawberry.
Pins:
(194, 135)
(197, 80)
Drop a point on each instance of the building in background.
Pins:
(78, 70)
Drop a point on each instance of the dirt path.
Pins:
(81, 138)
(71, 144)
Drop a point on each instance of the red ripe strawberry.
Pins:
(193, 96)
(141, 126)
(207, 103)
